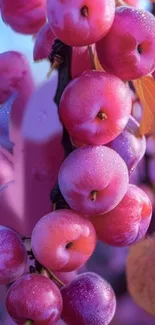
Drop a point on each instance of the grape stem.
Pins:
(48, 273)
(61, 58)
(91, 55)
(26, 238)
(29, 322)
(54, 277)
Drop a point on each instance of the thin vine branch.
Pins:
(48, 273)
(54, 277)
(61, 57)
(91, 55)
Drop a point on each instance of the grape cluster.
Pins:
(97, 199)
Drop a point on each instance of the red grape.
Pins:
(36, 298)
(130, 145)
(63, 240)
(91, 116)
(13, 255)
(79, 23)
(128, 222)
(127, 51)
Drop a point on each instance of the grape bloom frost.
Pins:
(68, 158)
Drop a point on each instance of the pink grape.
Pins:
(128, 222)
(15, 74)
(88, 300)
(63, 240)
(132, 56)
(43, 43)
(80, 55)
(130, 145)
(34, 297)
(93, 179)
(90, 116)
(79, 23)
(23, 16)
(13, 256)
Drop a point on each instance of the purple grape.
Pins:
(129, 145)
(88, 300)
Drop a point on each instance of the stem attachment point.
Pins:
(84, 11)
(93, 196)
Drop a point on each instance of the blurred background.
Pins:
(107, 261)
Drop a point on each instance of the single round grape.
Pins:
(34, 297)
(63, 240)
(91, 117)
(128, 222)
(140, 270)
(130, 145)
(93, 179)
(13, 255)
(88, 300)
(78, 22)
(127, 51)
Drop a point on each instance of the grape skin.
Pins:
(53, 233)
(34, 297)
(93, 168)
(13, 255)
(128, 222)
(88, 300)
(129, 145)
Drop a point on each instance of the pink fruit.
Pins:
(34, 297)
(13, 256)
(14, 69)
(88, 300)
(91, 116)
(24, 17)
(63, 240)
(80, 56)
(128, 222)
(130, 145)
(79, 23)
(16, 77)
(93, 180)
(127, 51)
(43, 43)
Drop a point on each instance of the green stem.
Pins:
(54, 277)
